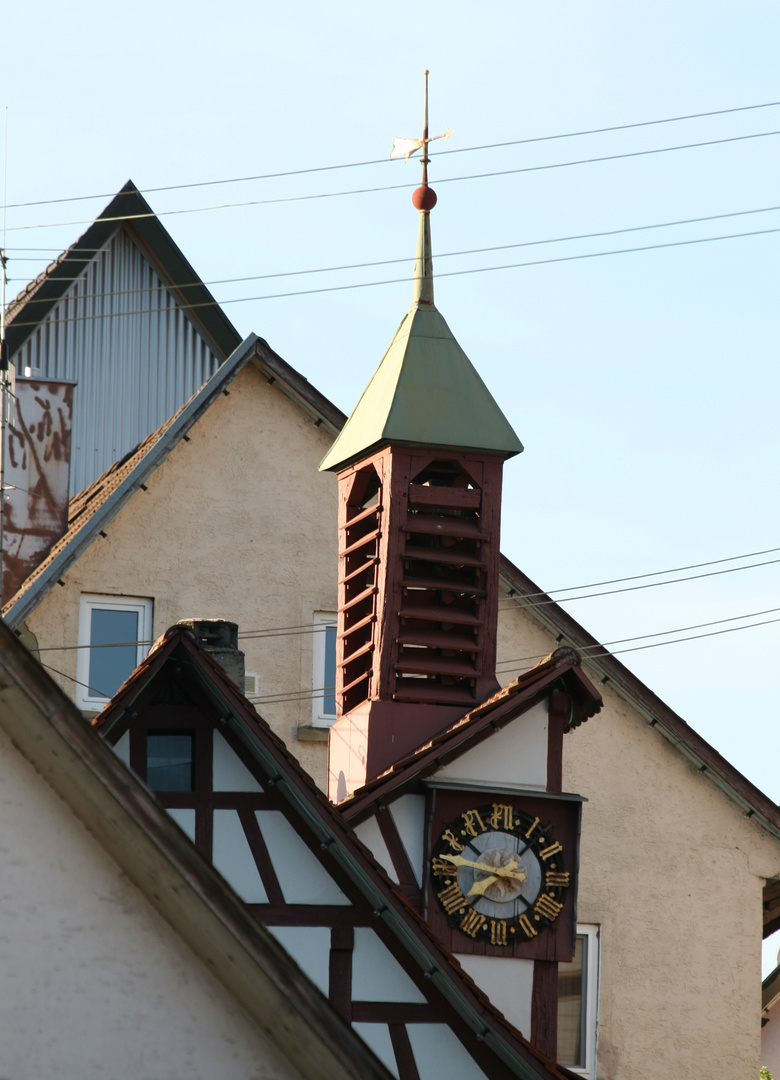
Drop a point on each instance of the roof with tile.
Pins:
(91, 509)
(560, 667)
(125, 819)
(180, 643)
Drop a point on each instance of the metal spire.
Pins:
(425, 392)
(424, 199)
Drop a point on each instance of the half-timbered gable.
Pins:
(495, 774)
(184, 728)
(124, 953)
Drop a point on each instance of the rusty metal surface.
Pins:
(37, 467)
(135, 352)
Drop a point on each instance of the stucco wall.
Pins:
(673, 872)
(94, 983)
(237, 523)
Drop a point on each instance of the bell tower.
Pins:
(419, 466)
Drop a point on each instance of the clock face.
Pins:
(499, 874)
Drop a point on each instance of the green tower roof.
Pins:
(425, 392)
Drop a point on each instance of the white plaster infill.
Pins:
(124, 818)
(515, 755)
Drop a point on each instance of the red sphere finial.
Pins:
(424, 198)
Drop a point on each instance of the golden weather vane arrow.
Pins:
(406, 147)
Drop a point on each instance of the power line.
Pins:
(301, 695)
(163, 287)
(517, 600)
(655, 573)
(396, 187)
(586, 650)
(279, 631)
(385, 161)
(407, 280)
(513, 601)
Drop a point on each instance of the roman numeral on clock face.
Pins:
(472, 821)
(452, 898)
(502, 817)
(498, 931)
(527, 926)
(472, 922)
(553, 879)
(452, 840)
(546, 905)
(548, 852)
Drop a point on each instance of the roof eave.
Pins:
(161, 861)
(337, 836)
(607, 669)
(127, 209)
(476, 726)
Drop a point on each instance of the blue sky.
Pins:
(644, 385)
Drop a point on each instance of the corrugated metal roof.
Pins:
(122, 314)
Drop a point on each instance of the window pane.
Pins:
(571, 1006)
(169, 762)
(329, 699)
(109, 667)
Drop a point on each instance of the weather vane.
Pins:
(406, 147)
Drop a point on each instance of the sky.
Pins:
(644, 385)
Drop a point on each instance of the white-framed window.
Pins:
(324, 669)
(578, 1004)
(114, 636)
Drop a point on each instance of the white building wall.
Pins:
(514, 757)
(94, 983)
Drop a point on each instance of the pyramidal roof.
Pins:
(426, 391)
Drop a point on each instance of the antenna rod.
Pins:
(425, 158)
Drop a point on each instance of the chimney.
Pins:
(219, 638)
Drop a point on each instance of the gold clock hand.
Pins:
(510, 871)
(479, 887)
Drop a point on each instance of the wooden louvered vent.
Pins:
(444, 580)
(358, 587)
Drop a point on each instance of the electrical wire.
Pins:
(652, 573)
(301, 695)
(517, 600)
(78, 682)
(407, 280)
(511, 601)
(396, 187)
(586, 650)
(162, 287)
(279, 631)
(384, 161)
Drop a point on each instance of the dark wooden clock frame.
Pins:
(554, 940)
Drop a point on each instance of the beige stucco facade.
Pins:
(238, 523)
(672, 871)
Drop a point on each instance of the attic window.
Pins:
(114, 636)
(169, 760)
